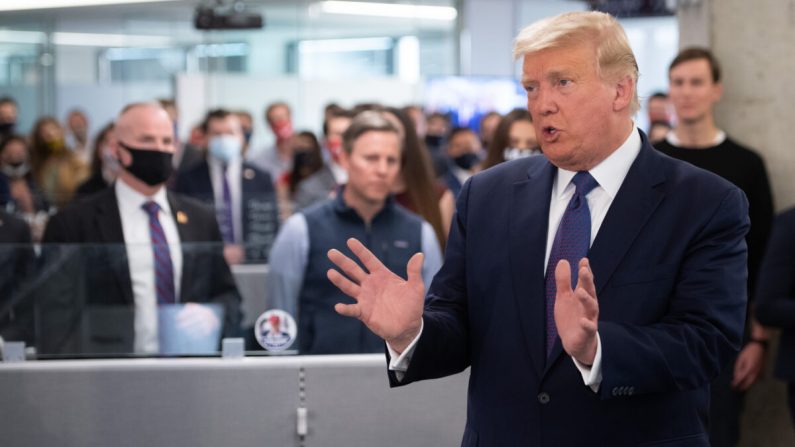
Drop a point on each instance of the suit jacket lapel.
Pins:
(108, 224)
(528, 236)
(631, 209)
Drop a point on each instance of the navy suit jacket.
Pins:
(259, 214)
(669, 263)
(775, 291)
(86, 302)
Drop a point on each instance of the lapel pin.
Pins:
(182, 217)
(248, 173)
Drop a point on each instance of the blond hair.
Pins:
(614, 56)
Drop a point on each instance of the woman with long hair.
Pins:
(56, 169)
(416, 188)
(104, 166)
(514, 138)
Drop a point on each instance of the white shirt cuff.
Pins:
(592, 375)
(399, 363)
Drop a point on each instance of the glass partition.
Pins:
(103, 300)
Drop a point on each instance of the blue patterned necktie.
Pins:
(164, 269)
(571, 243)
(224, 214)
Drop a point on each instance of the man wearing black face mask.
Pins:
(139, 253)
(465, 154)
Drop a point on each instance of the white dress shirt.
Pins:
(234, 179)
(140, 257)
(339, 173)
(610, 174)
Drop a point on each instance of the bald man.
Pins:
(138, 248)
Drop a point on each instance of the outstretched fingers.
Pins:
(348, 310)
(585, 277)
(369, 260)
(347, 286)
(563, 277)
(347, 265)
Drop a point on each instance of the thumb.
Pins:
(414, 269)
(563, 276)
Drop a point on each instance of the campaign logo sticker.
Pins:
(275, 330)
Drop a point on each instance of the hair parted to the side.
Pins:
(697, 53)
(368, 121)
(614, 56)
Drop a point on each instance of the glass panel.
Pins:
(96, 300)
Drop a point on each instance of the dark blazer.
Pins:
(775, 291)
(87, 275)
(669, 263)
(260, 213)
(16, 268)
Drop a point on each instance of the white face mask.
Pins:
(225, 147)
(14, 172)
(515, 153)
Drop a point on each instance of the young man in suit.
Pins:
(243, 195)
(115, 258)
(594, 292)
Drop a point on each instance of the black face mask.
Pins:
(467, 161)
(7, 128)
(433, 141)
(150, 166)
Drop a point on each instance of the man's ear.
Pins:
(121, 154)
(718, 91)
(624, 93)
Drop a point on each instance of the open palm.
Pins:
(577, 311)
(387, 304)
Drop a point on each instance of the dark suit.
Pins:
(259, 214)
(88, 300)
(16, 267)
(669, 263)
(775, 295)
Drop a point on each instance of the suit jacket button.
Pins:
(543, 398)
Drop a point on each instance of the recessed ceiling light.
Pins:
(393, 10)
(22, 5)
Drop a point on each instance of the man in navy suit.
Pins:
(114, 260)
(243, 195)
(593, 292)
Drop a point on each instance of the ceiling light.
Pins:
(392, 10)
(21, 5)
(109, 40)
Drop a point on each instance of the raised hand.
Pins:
(388, 305)
(577, 311)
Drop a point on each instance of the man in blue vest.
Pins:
(362, 209)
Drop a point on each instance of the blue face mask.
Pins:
(225, 147)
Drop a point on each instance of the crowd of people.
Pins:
(138, 217)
